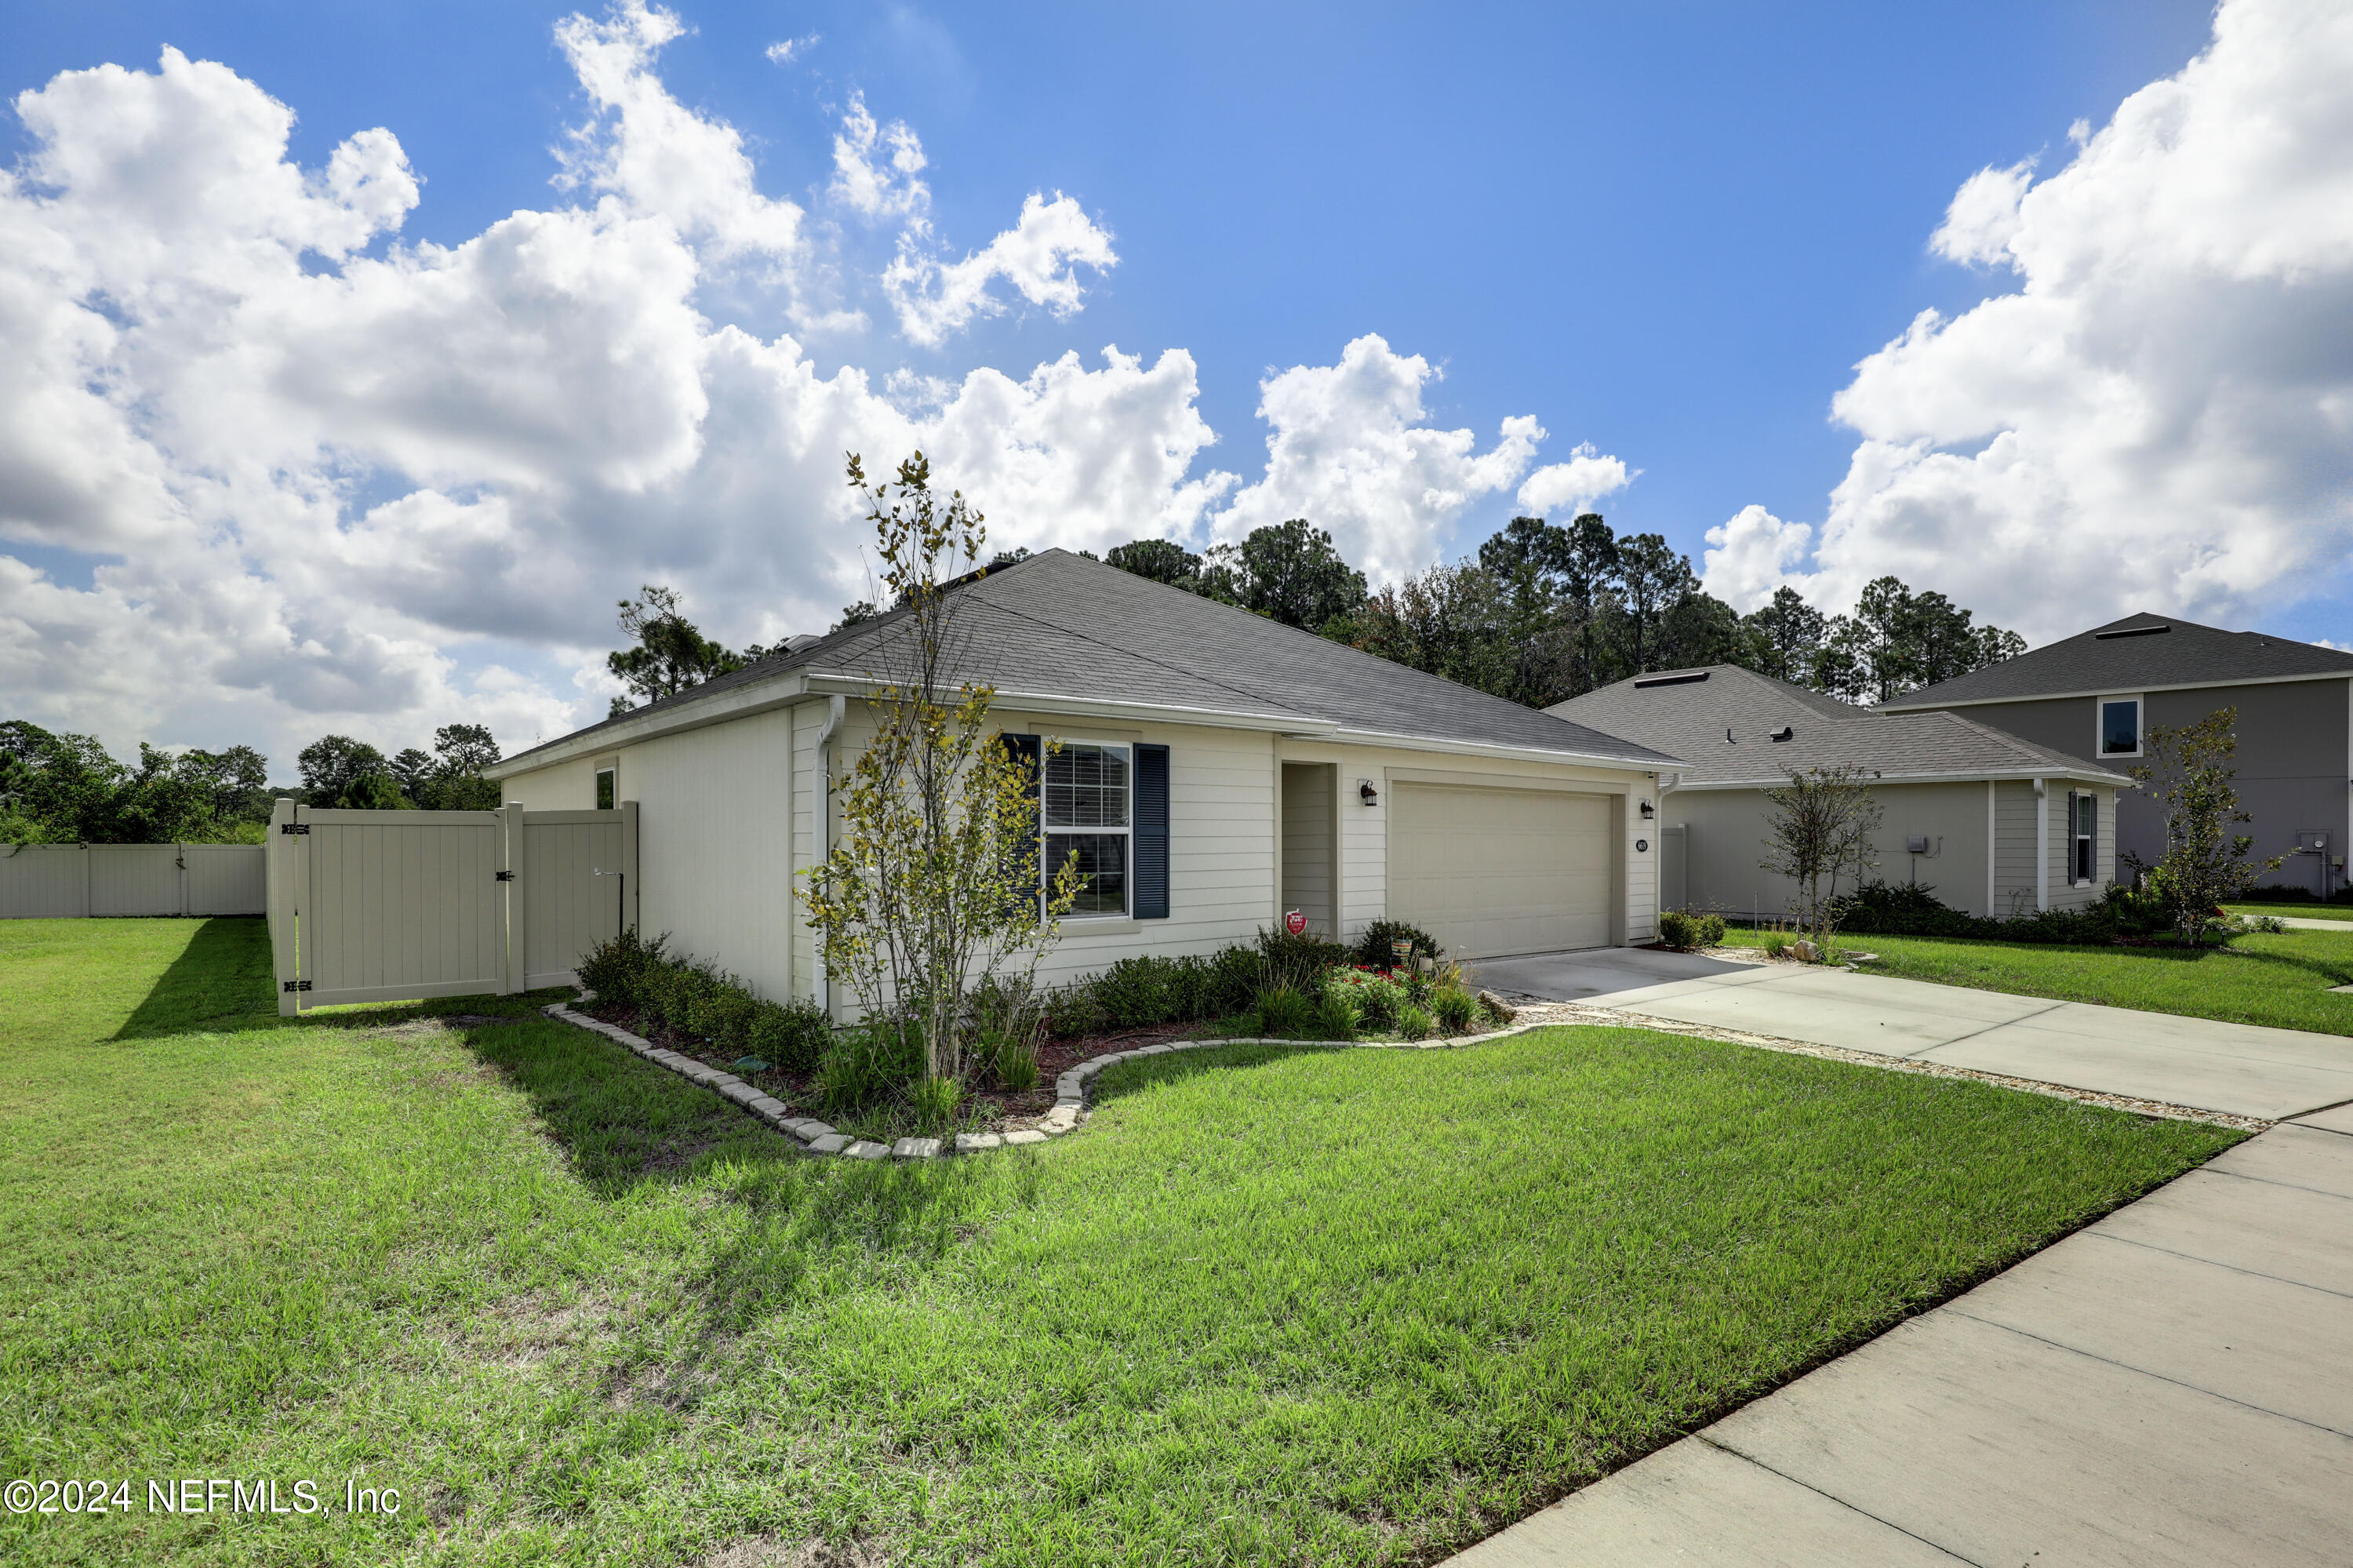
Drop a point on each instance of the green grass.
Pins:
(2280, 981)
(1273, 1305)
(2294, 911)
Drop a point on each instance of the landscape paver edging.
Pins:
(1073, 1089)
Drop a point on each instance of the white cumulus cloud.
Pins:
(1040, 256)
(268, 469)
(2161, 416)
(1571, 487)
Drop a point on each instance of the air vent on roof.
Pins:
(1671, 680)
(794, 644)
(1786, 731)
(2131, 631)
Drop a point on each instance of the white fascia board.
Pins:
(1054, 703)
(1902, 707)
(1503, 753)
(758, 697)
(2079, 774)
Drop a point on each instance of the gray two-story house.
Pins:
(2095, 696)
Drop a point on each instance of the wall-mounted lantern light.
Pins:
(1648, 811)
(1366, 793)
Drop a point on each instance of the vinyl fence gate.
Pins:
(394, 905)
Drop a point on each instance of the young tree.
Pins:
(1821, 830)
(933, 891)
(2190, 769)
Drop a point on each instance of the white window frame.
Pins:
(597, 770)
(1049, 745)
(2100, 725)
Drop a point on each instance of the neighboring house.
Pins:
(2095, 696)
(1232, 770)
(1995, 825)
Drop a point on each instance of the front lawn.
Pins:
(2281, 980)
(1272, 1305)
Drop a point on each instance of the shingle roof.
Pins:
(2131, 655)
(1061, 625)
(1720, 720)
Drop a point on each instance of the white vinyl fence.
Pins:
(65, 882)
(390, 905)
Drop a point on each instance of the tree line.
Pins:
(64, 788)
(1546, 612)
(1542, 613)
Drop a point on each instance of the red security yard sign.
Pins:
(1296, 923)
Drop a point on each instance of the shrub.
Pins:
(1456, 1008)
(617, 970)
(2271, 923)
(722, 1012)
(1711, 930)
(934, 1101)
(1134, 992)
(864, 1063)
(1298, 962)
(1379, 999)
(1284, 1009)
(1678, 930)
(1015, 1062)
(792, 1035)
(1335, 1013)
(1375, 947)
(1776, 945)
(1071, 1011)
(1414, 1023)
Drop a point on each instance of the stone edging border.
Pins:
(1073, 1090)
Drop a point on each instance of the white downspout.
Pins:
(835, 707)
(2042, 847)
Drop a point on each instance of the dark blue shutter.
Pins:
(1026, 754)
(1151, 832)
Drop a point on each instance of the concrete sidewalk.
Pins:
(2173, 1385)
(2239, 1069)
(2297, 923)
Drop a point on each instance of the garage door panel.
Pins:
(1495, 872)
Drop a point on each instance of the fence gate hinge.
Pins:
(298, 985)
(294, 827)
(506, 876)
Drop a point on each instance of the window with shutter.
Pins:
(2084, 811)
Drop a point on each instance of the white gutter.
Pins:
(779, 691)
(1901, 707)
(2042, 847)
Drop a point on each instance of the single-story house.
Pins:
(2095, 696)
(1997, 825)
(1216, 771)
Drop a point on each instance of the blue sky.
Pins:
(1673, 233)
(1669, 230)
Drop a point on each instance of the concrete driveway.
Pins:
(2237, 1068)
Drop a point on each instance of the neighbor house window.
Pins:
(1085, 793)
(2086, 813)
(2120, 727)
(608, 787)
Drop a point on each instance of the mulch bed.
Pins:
(985, 1107)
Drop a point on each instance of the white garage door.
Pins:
(1495, 872)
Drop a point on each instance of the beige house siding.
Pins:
(729, 819)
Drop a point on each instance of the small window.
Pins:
(2120, 727)
(1086, 791)
(608, 787)
(2086, 810)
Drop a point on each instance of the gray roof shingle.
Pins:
(2183, 654)
(1061, 625)
(1721, 721)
